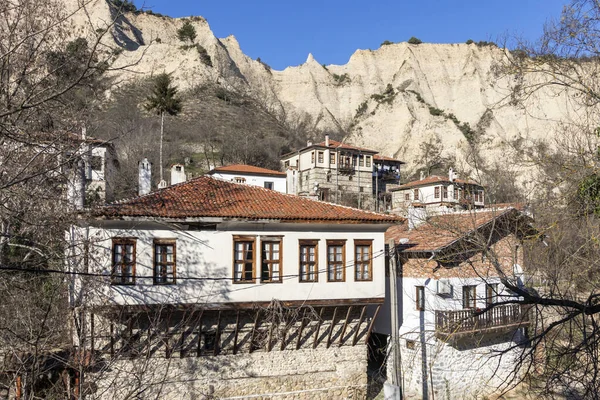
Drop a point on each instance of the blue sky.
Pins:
(282, 32)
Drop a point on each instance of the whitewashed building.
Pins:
(251, 175)
(213, 274)
(447, 347)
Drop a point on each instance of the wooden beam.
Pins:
(254, 330)
(19, 388)
(371, 324)
(237, 327)
(331, 327)
(341, 342)
(217, 335)
(360, 320)
(315, 341)
(199, 347)
(300, 329)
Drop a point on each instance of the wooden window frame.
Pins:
(320, 157)
(416, 194)
(312, 157)
(269, 185)
(469, 299)
(361, 160)
(420, 298)
(491, 293)
(368, 161)
(164, 263)
(444, 192)
(359, 265)
(308, 243)
(244, 239)
(268, 263)
(117, 279)
(436, 192)
(331, 158)
(406, 196)
(336, 243)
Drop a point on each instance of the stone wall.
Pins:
(322, 373)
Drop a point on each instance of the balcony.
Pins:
(466, 322)
(345, 168)
(389, 176)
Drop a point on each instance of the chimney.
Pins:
(308, 143)
(422, 175)
(326, 140)
(177, 174)
(451, 174)
(145, 177)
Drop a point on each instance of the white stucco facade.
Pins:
(277, 183)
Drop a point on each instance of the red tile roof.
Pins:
(247, 169)
(335, 144)
(379, 157)
(209, 197)
(442, 230)
(431, 180)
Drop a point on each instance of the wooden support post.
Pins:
(300, 329)
(112, 339)
(217, 335)
(371, 324)
(235, 336)
(315, 342)
(341, 342)
(331, 327)
(76, 385)
(19, 388)
(360, 320)
(254, 330)
(199, 348)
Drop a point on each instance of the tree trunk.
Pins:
(162, 127)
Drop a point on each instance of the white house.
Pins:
(438, 194)
(211, 274)
(251, 175)
(447, 272)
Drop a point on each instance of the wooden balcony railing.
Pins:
(510, 316)
(344, 167)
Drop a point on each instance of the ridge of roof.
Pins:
(433, 179)
(245, 168)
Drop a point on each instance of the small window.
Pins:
(361, 160)
(420, 298)
(331, 158)
(469, 296)
(368, 161)
(491, 293)
(361, 189)
(363, 260)
(437, 192)
(411, 344)
(444, 192)
(309, 261)
(269, 185)
(178, 168)
(407, 196)
(243, 259)
(350, 178)
(336, 260)
(270, 269)
(321, 157)
(239, 179)
(416, 193)
(455, 193)
(164, 262)
(123, 262)
(286, 164)
(312, 157)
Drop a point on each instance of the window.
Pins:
(269, 185)
(312, 157)
(455, 190)
(416, 192)
(239, 179)
(270, 267)
(437, 192)
(331, 158)
(363, 250)
(320, 158)
(309, 261)
(361, 160)
(336, 260)
(361, 189)
(420, 298)
(491, 293)
(368, 160)
(444, 192)
(407, 196)
(243, 259)
(123, 262)
(164, 262)
(96, 163)
(286, 164)
(469, 296)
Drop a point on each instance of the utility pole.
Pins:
(392, 387)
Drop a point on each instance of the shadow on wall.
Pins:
(122, 29)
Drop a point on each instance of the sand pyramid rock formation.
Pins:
(456, 78)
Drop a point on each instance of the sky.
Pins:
(283, 32)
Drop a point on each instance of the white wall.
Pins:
(208, 255)
(279, 182)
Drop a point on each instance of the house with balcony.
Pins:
(337, 172)
(251, 175)
(227, 289)
(459, 326)
(386, 175)
(437, 194)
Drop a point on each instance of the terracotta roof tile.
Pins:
(442, 230)
(433, 179)
(379, 157)
(210, 197)
(247, 169)
(336, 144)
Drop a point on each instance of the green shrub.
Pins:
(483, 43)
(418, 95)
(187, 32)
(264, 64)
(387, 96)
(123, 5)
(435, 111)
(158, 40)
(470, 41)
(414, 40)
(386, 43)
(341, 79)
(204, 56)
(361, 109)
